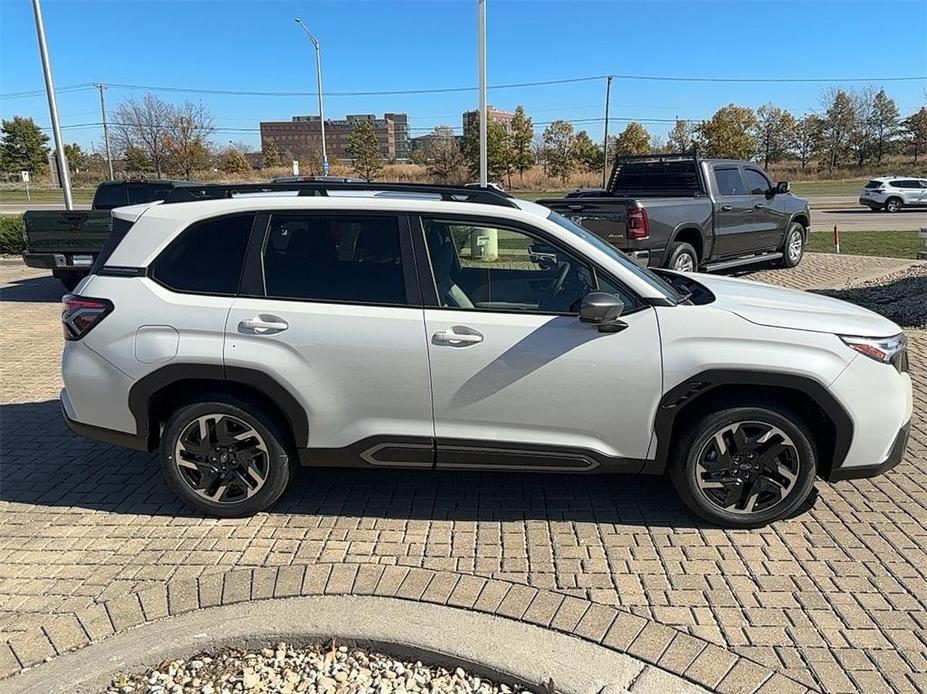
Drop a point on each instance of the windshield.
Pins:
(641, 272)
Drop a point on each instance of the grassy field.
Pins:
(886, 244)
(44, 195)
(848, 187)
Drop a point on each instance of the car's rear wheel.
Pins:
(893, 205)
(223, 459)
(794, 248)
(682, 257)
(745, 466)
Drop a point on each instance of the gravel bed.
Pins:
(314, 669)
(900, 297)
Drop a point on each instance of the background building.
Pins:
(301, 136)
(471, 119)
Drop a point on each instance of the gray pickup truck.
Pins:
(686, 213)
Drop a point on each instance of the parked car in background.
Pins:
(454, 328)
(894, 193)
(67, 243)
(686, 213)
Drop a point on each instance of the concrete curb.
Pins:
(691, 658)
(489, 646)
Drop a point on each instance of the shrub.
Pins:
(11, 235)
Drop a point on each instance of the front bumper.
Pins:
(895, 456)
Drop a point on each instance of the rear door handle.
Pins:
(263, 325)
(457, 339)
(758, 206)
(727, 208)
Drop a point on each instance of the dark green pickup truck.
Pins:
(67, 243)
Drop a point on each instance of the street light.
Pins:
(318, 65)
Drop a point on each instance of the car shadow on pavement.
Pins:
(39, 290)
(42, 464)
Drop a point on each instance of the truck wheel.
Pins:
(794, 247)
(745, 466)
(682, 257)
(893, 205)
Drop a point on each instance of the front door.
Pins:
(518, 381)
(337, 320)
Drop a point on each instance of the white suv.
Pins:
(382, 325)
(893, 193)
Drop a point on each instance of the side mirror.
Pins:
(783, 187)
(602, 310)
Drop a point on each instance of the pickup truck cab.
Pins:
(687, 213)
(68, 242)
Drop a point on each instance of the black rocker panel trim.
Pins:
(498, 455)
(681, 396)
(145, 388)
(375, 451)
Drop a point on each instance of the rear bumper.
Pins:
(895, 456)
(117, 438)
(869, 202)
(57, 261)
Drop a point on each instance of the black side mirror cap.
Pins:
(602, 310)
(783, 187)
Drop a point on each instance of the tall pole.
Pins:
(63, 174)
(109, 156)
(484, 129)
(318, 70)
(608, 92)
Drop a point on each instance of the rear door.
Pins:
(769, 220)
(734, 218)
(331, 309)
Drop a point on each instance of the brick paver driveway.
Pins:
(835, 597)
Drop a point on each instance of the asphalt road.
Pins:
(826, 211)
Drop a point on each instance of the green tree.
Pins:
(839, 120)
(136, 161)
(884, 123)
(729, 133)
(915, 132)
(773, 133)
(23, 146)
(78, 159)
(364, 150)
(522, 141)
(233, 161)
(680, 137)
(271, 154)
(499, 153)
(586, 153)
(805, 138)
(442, 155)
(558, 148)
(634, 139)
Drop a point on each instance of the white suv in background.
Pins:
(893, 193)
(389, 325)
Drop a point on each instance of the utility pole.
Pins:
(484, 126)
(608, 92)
(318, 74)
(109, 156)
(63, 175)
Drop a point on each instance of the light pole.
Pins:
(63, 175)
(484, 164)
(318, 66)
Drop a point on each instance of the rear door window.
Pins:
(335, 258)
(729, 181)
(207, 257)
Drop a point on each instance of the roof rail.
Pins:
(486, 196)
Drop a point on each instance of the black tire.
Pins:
(894, 205)
(681, 254)
(698, 443)
(275, 462)
(792, 255)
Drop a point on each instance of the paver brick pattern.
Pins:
(835, 597)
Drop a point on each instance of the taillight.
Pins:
(81, 313)
(638, 224)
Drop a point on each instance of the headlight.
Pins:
(888, 350)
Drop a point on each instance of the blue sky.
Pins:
(375, 46)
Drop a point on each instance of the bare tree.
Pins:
(140, 125)
(442, 154)
(187, 138)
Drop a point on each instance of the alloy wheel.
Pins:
(747, 467)
(796, 246)
(684, 263)
(222, 458)
(893, 205)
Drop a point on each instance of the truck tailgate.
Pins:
(76, 231)
(604, 217)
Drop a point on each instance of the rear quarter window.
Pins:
(207, 257)
(873, 184)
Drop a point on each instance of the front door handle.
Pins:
(727, 208)
(454, 338)
(263, 325)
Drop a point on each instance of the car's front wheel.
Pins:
(794, 248)
(223, 459)
(745, 466)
